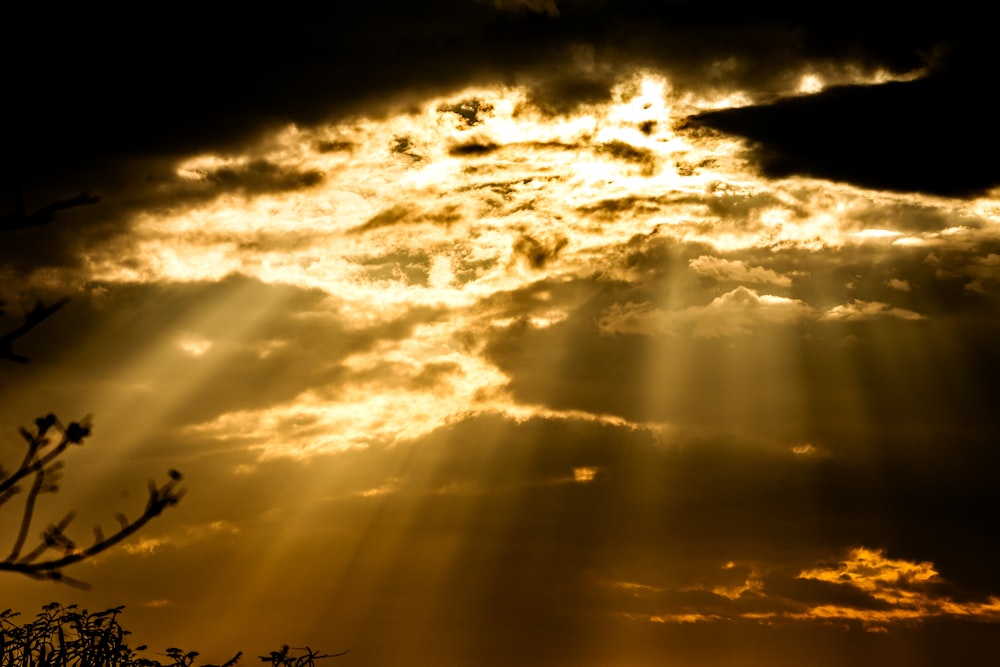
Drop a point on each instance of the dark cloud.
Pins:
(539, 252)
(563, 93)
(473, 148)
(916, 136)
(237, 77)
(390, 216)
(405, 146)
(470, 111)
(611, 208)
(333, 146)
(261, 176)
(541, 6)
(624, 151)
(408, 214)
(412, 267)
(549, 145)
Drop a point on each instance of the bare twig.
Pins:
(32, 319)
(21, 220)
(41, 461)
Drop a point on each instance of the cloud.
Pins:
(473, 148)
(390, 57)
(255, 177)
(735, 313)
(867, 589)
(985, 273)
(403, 213)
(822, 136)
(911, 592)
(621, 150)
(866, 310)
(472, 112)
(146, 545)
(899, 284)
(610, 208)
(538, 253)
(634, 318)
(721, 269)
(386, 218)
(476, 359)
(539, 6)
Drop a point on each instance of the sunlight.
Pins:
(498, 332)
(810, 84)
(196, 347)
(469, 199)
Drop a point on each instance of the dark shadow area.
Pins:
(935, 135)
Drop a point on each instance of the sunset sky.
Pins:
(541, 332)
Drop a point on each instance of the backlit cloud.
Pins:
(861, 310)
(525, 332)
(866, 588)
(735, 313)
(717, 268)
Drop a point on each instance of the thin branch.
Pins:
(32, 319)
(73, 434)
(160, 498)
(29, 508)
(45, 467)
(47, 544)
(21, 220)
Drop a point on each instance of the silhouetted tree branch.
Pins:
(21, 220)
(60, 635)
(32, 319)
(286, 658)
(41, 465)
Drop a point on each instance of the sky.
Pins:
(547, 332)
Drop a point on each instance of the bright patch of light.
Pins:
(809, 84)
(870, 570)
(391, 486)
(183, 537)
(156, 603)
(470, 197)
(752, 584)
(195, 347)
(198, 167)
